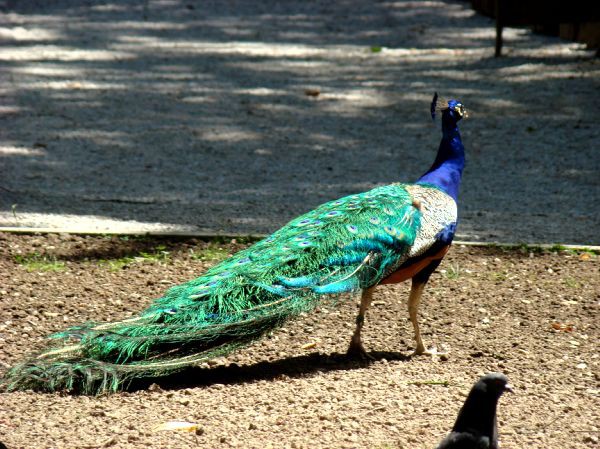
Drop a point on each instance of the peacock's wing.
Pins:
(340, 246)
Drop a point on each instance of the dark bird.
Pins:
(386, 235)
(476, 426)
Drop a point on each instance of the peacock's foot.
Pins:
(357, 351)
(433, 352)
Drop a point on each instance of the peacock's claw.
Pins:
(433, 352)
(358, 352)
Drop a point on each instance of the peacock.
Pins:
(386, 235)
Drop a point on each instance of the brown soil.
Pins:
(530, 314)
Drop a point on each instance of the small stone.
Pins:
(110, 442)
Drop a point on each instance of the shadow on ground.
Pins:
(290, 367)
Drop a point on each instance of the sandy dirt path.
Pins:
(194, 116)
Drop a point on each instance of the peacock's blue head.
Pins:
(457, 109)
(451, 109)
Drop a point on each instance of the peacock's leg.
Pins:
(416, 291)
(414, 299)
(356, 348)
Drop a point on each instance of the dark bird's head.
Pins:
(479, 410)
(476, 425)
(493, 384)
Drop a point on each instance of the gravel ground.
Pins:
(192, 116)
(532, 315)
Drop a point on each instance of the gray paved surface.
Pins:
(192, 116)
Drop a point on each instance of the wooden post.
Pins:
(498, 50)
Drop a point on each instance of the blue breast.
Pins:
(446, 235)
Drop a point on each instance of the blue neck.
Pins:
(447, 169)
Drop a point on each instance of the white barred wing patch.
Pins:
(438, 210)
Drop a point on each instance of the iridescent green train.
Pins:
(341, 246)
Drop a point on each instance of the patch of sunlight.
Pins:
(45, 70)
(145, 25)
(433, 54)
(109, 8)
(260, 49)
(293, 64)
(416, 4)
(9, 109)
(376, 83)
(99, 137)
(523, 69)
(86, 224)
(260, 91)
(19, 151)
(360, 98)
(229, 134)
(60, 53)
(198, 100)
(132, 44)
(278, 107)
(28, 34)
(165, 74)
(414, 8)
(283, 65)
(323, 137)
(73, 85)
(486, 33)
(566, 49)
(299, 35)
(536, 72)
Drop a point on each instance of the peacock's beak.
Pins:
(462, 111)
